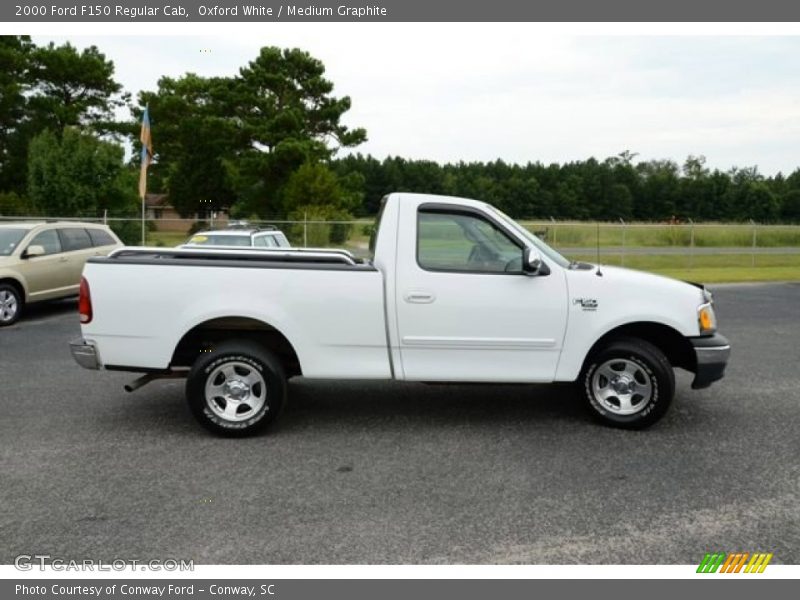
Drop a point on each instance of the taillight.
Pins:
(85, 302)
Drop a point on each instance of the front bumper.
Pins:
(712, 353)
(85, 354)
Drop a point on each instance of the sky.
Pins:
(479, 92)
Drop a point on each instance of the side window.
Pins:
(48, 240)
(101, 237)
(281, 241)
(73, 238)
(464, 242)
(263, 241)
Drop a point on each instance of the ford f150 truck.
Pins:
(456, 291)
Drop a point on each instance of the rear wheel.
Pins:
(629, 383)
(237, 389)
(10, 304)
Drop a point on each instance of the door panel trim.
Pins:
(478, 343)
(53, 293)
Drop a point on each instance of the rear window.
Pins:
(373, 238)
(101, 237)
(73, 238)
(206, 239)
(282, 241)
(264, 241)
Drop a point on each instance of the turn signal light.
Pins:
(706, 318)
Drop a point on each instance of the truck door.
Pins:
(465, 309)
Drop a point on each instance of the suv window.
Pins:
(74, 238)
(9, 238)
(264, 241)
(101, 237)
(464, 242)
(48, 240)
(213, 239)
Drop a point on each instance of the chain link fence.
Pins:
(649, 246)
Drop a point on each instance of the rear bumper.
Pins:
(712, 353)
(85, 354)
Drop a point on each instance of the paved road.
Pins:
(378, 473)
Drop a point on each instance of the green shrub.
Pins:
(319, 235)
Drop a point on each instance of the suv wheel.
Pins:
(10, 304)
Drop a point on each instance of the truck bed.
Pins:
(323, 300)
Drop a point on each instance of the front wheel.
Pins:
(237, 389)
(10, 304)
(629, 383)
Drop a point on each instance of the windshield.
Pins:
(211, 239)
(10, 237)
(535, 241)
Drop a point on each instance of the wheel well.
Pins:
(16, 284)
(677, 348)
(204, 336)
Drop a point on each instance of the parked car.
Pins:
(43, 261)
(240, 235)
(456, 292)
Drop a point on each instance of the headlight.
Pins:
(706, 318)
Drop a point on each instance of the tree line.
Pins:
(269, 142)
(616, 188)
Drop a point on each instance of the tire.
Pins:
(10, 304)
(629, 383)
(237, 389)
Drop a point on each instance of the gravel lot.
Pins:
(403, 473)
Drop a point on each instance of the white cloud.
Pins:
(454, 92)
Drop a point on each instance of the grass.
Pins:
(166, 238)
(716, 235)
(728, 268)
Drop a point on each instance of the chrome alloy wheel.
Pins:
(236, 391)
(622, 386)
(8, 306)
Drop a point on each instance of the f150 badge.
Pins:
(588, 304)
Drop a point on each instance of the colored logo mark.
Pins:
(737, 562)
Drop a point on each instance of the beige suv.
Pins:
(44, 261)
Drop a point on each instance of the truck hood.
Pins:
(633, 280)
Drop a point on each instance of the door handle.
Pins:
(419, 297)
(63, 259)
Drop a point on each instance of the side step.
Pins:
(148, 377)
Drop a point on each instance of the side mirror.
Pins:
(532, 262)
(32, 251)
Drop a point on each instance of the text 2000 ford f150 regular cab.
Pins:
(456, 292)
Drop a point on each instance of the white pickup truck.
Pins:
(456, 292)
